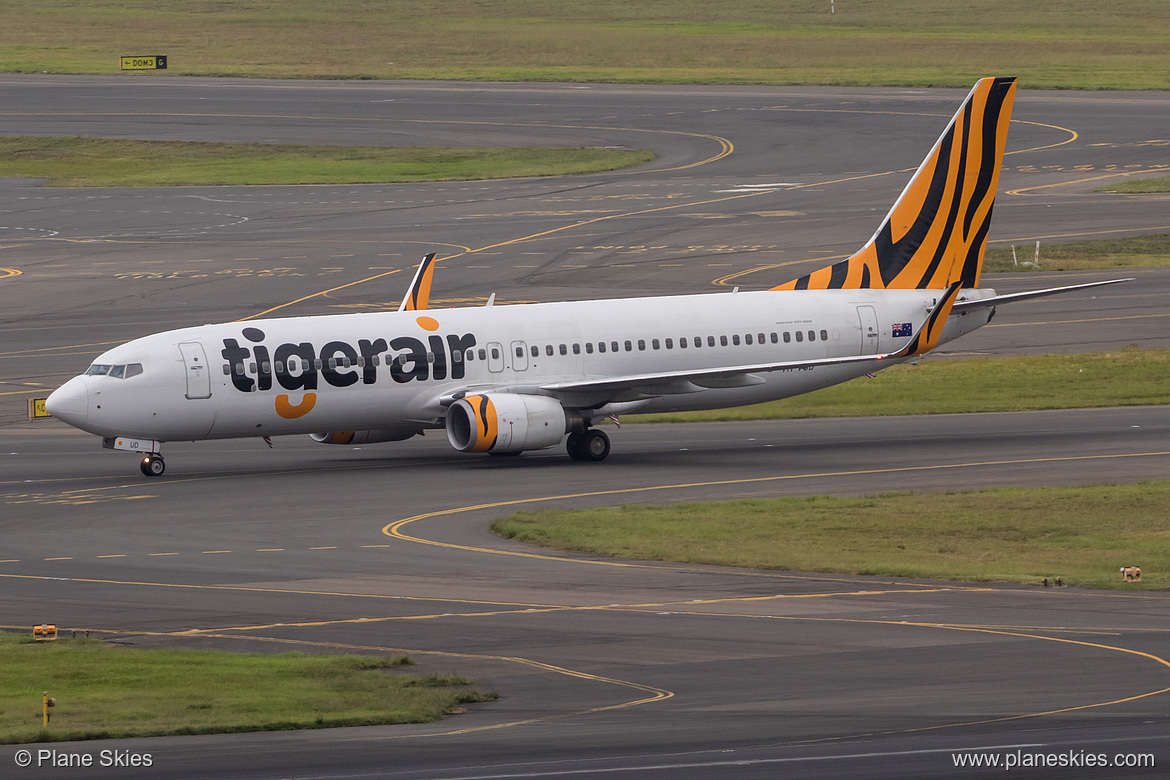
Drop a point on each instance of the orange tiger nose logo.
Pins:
(289, 411)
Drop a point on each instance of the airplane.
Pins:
(508, 379)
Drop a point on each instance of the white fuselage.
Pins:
(397, 371)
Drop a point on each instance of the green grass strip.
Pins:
(1130, 377)
(101, 162)
(1139, 185)
(106, 692)
(1082, 534)
(1152, 251)
(1071, 44)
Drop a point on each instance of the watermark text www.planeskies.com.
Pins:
(1067, 759)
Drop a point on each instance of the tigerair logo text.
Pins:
(303, 366)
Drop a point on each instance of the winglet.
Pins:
(418, 295)
(929, 335)
(937, 230)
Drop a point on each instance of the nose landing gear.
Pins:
(152, 465)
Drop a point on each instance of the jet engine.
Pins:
(365, 437)
(507, 422)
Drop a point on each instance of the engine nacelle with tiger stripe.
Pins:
(506, 422)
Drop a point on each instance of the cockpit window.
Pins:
(116, 372)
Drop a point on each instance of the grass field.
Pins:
(104, 691)
(1072, 44)
(1161, 184)
(1129, 377)
(99, 162)
(1137, 252)
(1082, 534)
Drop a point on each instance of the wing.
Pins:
(696, 380)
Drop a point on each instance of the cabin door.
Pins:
(195, 365)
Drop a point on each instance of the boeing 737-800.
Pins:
(506, 379)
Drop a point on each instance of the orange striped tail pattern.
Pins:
(937, 230)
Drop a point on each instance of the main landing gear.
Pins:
(589, 444)
(152, 465)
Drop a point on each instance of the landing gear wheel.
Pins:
(153, 466)
(595, 445)
(576, 445)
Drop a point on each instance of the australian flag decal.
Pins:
(901, 329)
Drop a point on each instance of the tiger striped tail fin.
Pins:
(937, 230)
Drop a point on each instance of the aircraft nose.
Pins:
(70, 402)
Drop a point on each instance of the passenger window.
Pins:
(548, 350)
(344, 362)
(775, 339)
(495, 355)
(710, 341)
(564, 350)
(239, 369)
(735, 339)
(279, 366)
(747, 339)
(576, 349)
(670, 343)
(824, 335)
(483, 355)
(787, 337)
(629, 347)
(519, 352)
(456, 356)
(252, 367)
(227, 369)
(361, 361)
(375, 360)
(799, 336)
(117, 372)
(682, 343)
(642, 345)
(332, 364)
(613, 346)
(266, 366)
(723, 341)
(589, 347)
(698, 341)
(470, 355)
(812, 335)
(601, 346)
(535, 351)
(654, 343)
(304, 366)
(760, 337)
(316, 364)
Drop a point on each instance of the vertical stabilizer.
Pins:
(937, 230)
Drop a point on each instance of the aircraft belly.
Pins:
(271, 413)
(777, 385)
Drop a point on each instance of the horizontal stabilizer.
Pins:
(1027, 296)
